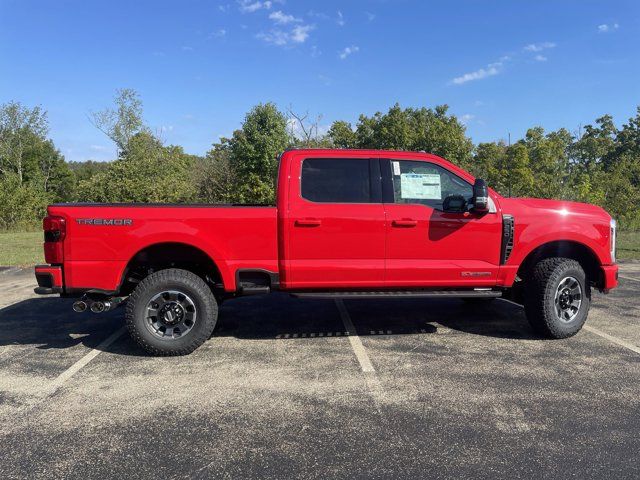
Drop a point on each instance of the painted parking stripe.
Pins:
(354, 339)
(611, 338)
(629, 278)
(84, 361)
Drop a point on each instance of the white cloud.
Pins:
(604, 28)
(466, 118)
(540, 58)
(224, 8)
(538, 47)
(319, 15)
(97, 148)
(187, 48)
(299, 34)
(274, 37)
(348, 51)
(340, 20)
(249, 6)
(325, 80)
(218, 33)
(370, 16)
(489, 71)
(282, 18)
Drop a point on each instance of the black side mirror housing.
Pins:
(480, 196)
(454, 204)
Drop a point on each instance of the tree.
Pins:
(341, 135)
(147, 172)
(217, 180)
(431, 130)
(124, 121)
(305, 132)
(19, 127)
(548, 161)
(488, 163)
(254, 152)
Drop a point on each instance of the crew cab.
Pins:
(347, 223)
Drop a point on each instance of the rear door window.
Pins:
(336, 180)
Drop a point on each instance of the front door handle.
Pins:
(308, 222)
(405, 222)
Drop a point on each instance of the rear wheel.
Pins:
(557, 297)
(171, 312)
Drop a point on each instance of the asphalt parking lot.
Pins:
(293, 388)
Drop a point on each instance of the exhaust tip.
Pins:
(97, 307)
(79, 306)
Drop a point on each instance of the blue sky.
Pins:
(201, 65)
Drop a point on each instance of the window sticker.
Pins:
(396, 168)
(424, 186)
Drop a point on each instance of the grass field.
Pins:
(629, 245)
(21, 248)
(25, 248)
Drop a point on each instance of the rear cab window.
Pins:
(336, 180)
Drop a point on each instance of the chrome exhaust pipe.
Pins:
(79, 306)
(97, 307)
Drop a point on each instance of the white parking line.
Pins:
(611, 338)
(354, 339)
(76, 367)
(629, 278)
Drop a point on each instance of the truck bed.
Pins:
(102, 238)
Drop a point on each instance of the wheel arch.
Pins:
(170, 254)
(583, 254)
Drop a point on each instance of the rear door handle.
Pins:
(308, 222)
(405, 222)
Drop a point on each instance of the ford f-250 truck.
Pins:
(347, 223)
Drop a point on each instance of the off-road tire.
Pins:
(164, 280)
(541, 285)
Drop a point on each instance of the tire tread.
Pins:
(199, 336)
(536, 296)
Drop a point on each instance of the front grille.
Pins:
(506, 248)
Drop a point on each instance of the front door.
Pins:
(335, 224)
(427, 246)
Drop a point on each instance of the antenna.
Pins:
(509, 164)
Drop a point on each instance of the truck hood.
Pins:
(537, 206)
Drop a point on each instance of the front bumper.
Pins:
(49, 279)
(609, 277)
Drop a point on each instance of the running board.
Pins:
(254, 290)
(480, 293)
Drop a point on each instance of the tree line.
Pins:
(599, 164)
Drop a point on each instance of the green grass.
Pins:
(21, 248)
(628, 245)
(25, 248)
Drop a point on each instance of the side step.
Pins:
(479, 293)
(254, 290)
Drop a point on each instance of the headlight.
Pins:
(612, 240)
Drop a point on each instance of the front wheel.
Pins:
(557, 297)
(171, 312)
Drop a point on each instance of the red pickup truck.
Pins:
(347, 223)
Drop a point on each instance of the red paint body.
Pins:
(328, 245)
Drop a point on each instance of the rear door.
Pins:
(335, 227)
(427, 246)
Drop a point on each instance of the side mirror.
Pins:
(480, 196)
(454, 204)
